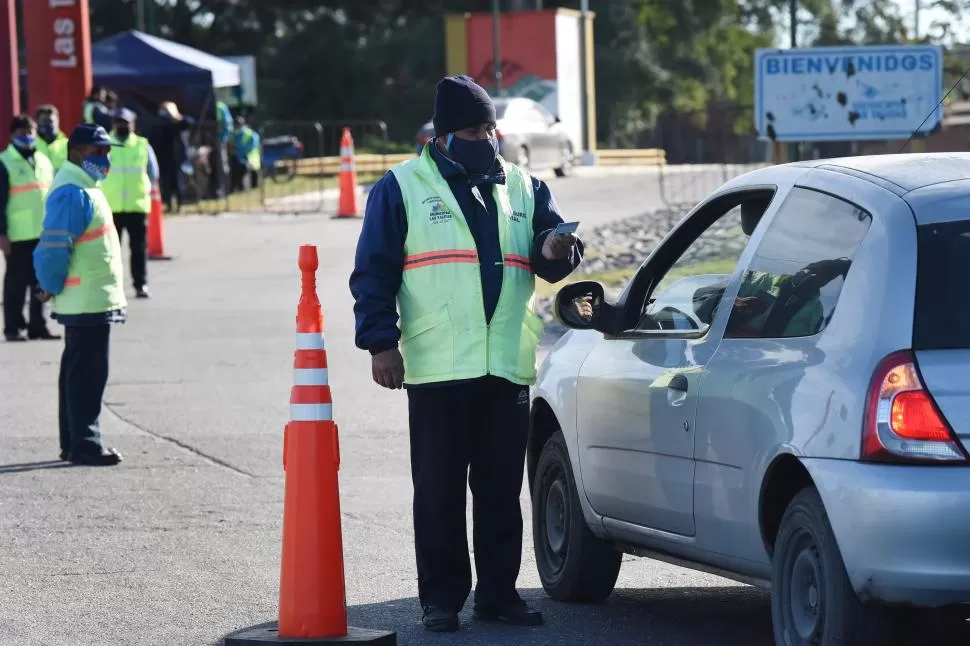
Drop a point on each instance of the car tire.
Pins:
(567, 162)
(574, 565)
(812, 600)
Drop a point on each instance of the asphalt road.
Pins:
(181, 543)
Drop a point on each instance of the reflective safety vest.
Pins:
(244, 141)
(127, 186)
(95, 272)
(87, 112)
(28, 189)
(56, 150)
(444, 334)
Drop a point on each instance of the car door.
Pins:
(767, 385)
(637, 391)
(550, 138)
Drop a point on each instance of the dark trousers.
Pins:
(137, 226)
(17, 279)
(170, 185)
(84, 376)
(476, 432)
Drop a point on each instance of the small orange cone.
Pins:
(313, 607)
(349, 206)
(156, 227)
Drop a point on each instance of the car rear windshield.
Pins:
(942, 299)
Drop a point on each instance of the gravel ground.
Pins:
(624, 244)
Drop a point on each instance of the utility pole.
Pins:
(793, 20)
(140, 15)
(496, 48)
(587, 157)
(916, 21)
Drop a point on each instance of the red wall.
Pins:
(527, 46)
(58, 40)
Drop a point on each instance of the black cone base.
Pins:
(268, 634)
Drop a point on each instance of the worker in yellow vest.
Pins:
(451, 243)
(50, 140)
(128, 189)
(25, 177)
(78, 263)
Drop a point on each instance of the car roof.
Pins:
(908, 172)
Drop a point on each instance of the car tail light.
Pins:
(903, 423)
(499, 136)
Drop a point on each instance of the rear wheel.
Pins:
(574, 565)
(812, 600)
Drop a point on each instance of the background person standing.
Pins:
(78, 262)
(51, 141)
(128, 189)
(25, 178)
(454, 240)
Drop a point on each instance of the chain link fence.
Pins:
(704, 149)
(298, 172)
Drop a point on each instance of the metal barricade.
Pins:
(705, 149)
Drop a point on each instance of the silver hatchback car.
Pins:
(780, 395)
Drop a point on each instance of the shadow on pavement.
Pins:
(33, 466)
(726, 616)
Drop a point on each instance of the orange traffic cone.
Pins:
(349, 206)
(156, 227)
(313, 606)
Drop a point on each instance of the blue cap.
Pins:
(125, 114)
(89, 134)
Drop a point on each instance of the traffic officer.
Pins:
(25, 178)
(128, 188)
(51, 141)
(456, 237)
(95, 109)
(79, 265)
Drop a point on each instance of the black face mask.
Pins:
(123, 132)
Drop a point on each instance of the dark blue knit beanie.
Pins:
(461, 103)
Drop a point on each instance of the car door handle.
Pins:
(679, 382)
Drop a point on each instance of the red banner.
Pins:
(58, 45)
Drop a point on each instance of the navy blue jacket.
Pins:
(376, 278)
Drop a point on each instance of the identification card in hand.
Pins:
(565, 227)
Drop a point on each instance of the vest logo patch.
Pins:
(518, 216)
(437, 212)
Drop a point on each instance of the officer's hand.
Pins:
(558, 247)
(5, 246)
(388, 369)
(43, 296)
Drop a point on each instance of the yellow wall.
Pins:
(456, 44)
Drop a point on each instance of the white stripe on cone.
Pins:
(310, 376)
(311, 412)
(309, 341)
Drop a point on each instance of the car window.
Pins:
(796, 276)
(942, 316)
(687, 293)
(501, 108)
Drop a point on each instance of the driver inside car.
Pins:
(770, 305)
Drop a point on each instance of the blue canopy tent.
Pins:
(145, 70)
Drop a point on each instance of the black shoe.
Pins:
(515, 614)
(18, 336)
(142, 292)
(43, 335)
(63, 456)
(107, 458)
(438, 620)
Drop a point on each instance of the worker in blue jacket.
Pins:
(79, 266)
(444, 236)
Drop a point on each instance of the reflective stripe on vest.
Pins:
(444, 334)
(95, 271)
(127, 186)
(28, 190)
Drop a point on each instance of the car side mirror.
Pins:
(583, 306)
